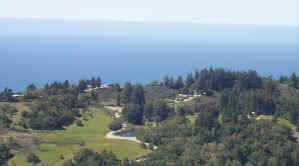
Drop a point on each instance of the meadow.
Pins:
(280, 121)
(58, 146)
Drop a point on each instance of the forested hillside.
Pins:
(213, 117)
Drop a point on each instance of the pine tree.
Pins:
(82, 85)
(148, 111)
(118, 100)
(138, 95)
(166, 81)
(133, 113)
(117, 87)
(293, 80)
(99, 82)
(196, 74)
(179, 83)
(31, 87)
(189, 80)
(126, 93)
(93, 82)
(171, 83)
(66, 84)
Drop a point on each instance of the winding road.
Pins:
(111, 134)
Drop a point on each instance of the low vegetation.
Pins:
(65, 142)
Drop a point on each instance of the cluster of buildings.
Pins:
(104, 86)
(190, 95)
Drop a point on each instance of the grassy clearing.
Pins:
(279, 121)
(93, 132)
(157, 92)
(220, 119)
(192, 118)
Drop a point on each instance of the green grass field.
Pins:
(65, 142)
(280, 121)
(192, 118)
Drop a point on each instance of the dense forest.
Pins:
(228, 129)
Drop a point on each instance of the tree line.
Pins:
(220, 79)
(55, 105)
(136, 110)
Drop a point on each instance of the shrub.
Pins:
(79, 123)
(61, 157)
(5, 154)
(115, 125)
(82, 143)
(32, 158)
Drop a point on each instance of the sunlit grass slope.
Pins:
(65, 142)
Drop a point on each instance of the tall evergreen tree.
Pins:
(99, 82)
(148, 111)
(171, 83)
(117, 87)
(189, 80)
(93, 82)
(47, 86)
(7, 95)
(31, 87)
(254, 81)
(161, 110)
(126, 93)
(82, 85)
(133, 113)
(66, 84)
(166, 81)
(179, 83)
(138, 95)
(293, 80)
(196, 74)
(118, 100)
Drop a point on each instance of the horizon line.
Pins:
(136, 20)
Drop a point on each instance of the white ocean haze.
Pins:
(256, 12)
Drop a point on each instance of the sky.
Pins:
(257, 12)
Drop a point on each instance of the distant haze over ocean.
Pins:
(41, 51)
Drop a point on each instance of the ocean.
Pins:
(45, 51)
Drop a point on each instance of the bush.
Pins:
(86, 157)
(79, 123)
(82, 143)
(5, 121)
(32, 158)
(115, 125)
(5, 154)
(61, 157)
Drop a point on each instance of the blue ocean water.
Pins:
(28, 57)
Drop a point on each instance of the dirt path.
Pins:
(191, 98)
(111, 134)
